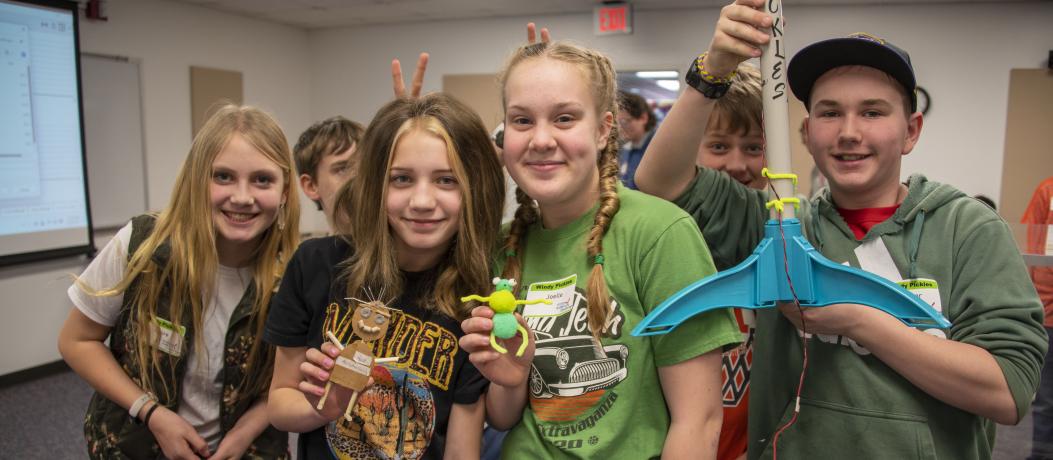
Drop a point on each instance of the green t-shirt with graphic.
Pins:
(592, 400)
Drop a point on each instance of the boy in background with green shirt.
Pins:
(874, 386)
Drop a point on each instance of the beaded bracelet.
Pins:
(708, 77)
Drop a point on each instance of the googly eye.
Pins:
(365, 312)
(380, 320)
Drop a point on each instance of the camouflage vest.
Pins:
(111, 432)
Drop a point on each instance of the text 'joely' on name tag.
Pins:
(163, 335)
(560, 292)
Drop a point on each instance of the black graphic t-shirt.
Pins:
(406, 412)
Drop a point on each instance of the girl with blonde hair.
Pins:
(605, 256)
(182, 296)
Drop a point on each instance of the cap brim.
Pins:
(818, 58)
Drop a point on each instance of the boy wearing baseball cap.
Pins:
(874, 386)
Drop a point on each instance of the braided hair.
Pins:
(599, 73)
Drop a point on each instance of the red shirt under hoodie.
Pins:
(862, 220)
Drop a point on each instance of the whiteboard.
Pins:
(113, 138)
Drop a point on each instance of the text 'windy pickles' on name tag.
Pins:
(925, 288)
(560, 292)
(929, 292)
(164, 336)
(875, 258)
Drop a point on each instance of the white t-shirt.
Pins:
(202, 390)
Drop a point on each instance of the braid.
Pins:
(526, 214)
(596, 289)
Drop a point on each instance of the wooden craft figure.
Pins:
(356, 360)
(504, 303)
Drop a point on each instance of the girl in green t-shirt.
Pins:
(604, 256)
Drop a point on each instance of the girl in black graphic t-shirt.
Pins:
(422, 217)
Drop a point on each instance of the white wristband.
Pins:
(139, 403)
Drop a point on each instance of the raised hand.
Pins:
(503, 369)
(178, 440)
(418, 77)
(532, 34)
(739, 34)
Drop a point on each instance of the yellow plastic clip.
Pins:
(769, 175)
(778, 204)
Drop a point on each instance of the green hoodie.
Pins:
(852, 404)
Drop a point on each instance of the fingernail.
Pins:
(323, 375)
(328, 362)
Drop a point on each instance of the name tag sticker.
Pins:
(560, 292)
(164, 336)
(925, 288)
(929, 291)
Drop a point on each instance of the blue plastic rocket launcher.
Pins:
(784, 267)
(504, 303)
(763, 279)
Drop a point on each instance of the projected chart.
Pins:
(19, 161)
(43, 198)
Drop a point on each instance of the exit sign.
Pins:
(612, 18)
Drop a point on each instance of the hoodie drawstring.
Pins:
(816, 235)
(914, 242)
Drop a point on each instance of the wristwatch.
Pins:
(708, 89)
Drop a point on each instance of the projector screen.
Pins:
(43, 192)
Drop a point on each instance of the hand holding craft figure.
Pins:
(504, 303)
(356, 360)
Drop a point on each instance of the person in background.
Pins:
(986, 200)
(734, 136)
(1039, 220)
(734, 144)
(323, 158)
(636, 122)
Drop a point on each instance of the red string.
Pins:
(804, 333)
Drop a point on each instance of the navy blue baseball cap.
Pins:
(857, 49)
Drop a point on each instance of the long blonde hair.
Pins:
(599, 74)
(186, 225)
(361, 203)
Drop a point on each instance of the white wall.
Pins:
(962, 55)
(168, 38)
